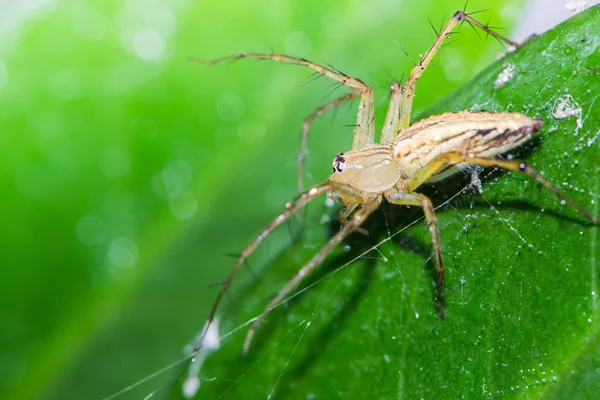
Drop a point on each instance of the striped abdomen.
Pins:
(481, 134)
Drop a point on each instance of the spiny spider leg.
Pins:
(306, 126)
(290, 209)
(417, 199)
(409, 88)
(364, 131)
(391, 126)
(356, 220)
(510, 165)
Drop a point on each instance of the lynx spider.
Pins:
(406, 157)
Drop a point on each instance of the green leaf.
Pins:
(522, 270)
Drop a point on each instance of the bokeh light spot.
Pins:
(122, 252)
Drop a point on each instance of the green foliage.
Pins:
(128, 174)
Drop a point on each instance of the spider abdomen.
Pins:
(477, 134)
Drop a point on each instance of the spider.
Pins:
(406, 157)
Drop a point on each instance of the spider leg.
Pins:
(364, 131)
(357, 219)
(417, 199)
(391, 126)
(510, 165)
(306, 125)
(346, 212)
(409, 88)
(290, 209)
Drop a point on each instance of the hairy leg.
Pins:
(291, 207)
(391, 126)
(417, 199)
(356, 220)
(408, 89)
(511, 165)
(364, 131)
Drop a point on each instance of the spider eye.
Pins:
(337, 162)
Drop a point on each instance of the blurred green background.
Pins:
(128, 173)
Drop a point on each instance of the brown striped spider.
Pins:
(406, 157)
